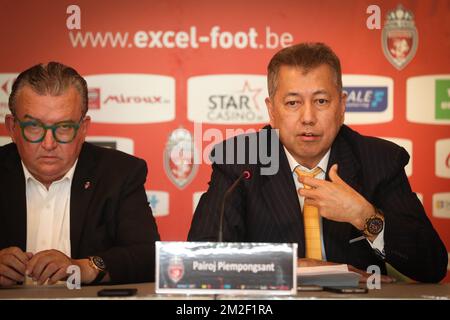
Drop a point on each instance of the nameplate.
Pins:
(226, 268)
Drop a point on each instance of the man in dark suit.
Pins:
(63, 201)
(366, 213)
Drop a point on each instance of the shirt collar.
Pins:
(323, 163)
(69, 174)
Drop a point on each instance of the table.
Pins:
(146, 291)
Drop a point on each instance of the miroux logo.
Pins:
(441, 205)
(195, 199)
(227, 99)
(122, 144)
(442, 158)
(369, 99)
(428, 99)
(6, 82)
(4, 140)
(159, 202)
(131, 98)
(408, 145)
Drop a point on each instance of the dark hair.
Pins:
(306, 56)
(53, 78)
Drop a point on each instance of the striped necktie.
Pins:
(311, 221)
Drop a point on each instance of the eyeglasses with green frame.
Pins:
(34, 131)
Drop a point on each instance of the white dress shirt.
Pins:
(377, 244)
(48, 213)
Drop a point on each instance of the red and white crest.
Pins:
(399, 38)
(179, 158)
(175, 270)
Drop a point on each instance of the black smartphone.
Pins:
(346, 289)
(123, 292)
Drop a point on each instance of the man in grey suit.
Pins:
(366, 211)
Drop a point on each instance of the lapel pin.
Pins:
(87, 185)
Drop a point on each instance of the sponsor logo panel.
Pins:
(195, 200)
(442, 157)
(441, 205)
(428, 99)
(366, 99)
(227, 99)
(159, 202)
(408, 145)
(6, 82)
(420, 196)
(4, 140)
(131, 98)
(369, 99)
(448, 265)
(442, 104)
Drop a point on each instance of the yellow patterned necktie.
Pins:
(311, 221)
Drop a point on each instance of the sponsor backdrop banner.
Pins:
(168, 79)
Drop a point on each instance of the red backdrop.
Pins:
(37, 31)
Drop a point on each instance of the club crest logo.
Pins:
(399, 37)
(175, 270)
(179, 156)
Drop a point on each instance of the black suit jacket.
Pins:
(266, 208)
(111, 218)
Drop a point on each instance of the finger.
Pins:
(61, 274)
(12, 261)
(312, 202)
(307, 193)
(6, 282)
(364, 275)
(47, 273)
(310, 181)
(333, 174)
(29, 255)
(11, 274)
(19, 254)
(31, 263)
(41, 261)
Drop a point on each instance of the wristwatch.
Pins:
(98, 264)
(374, 224)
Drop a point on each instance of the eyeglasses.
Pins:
(34, 131)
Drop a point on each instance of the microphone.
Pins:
(244, 175)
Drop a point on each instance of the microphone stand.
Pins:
(245, 174)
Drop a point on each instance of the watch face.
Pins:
(99, 262)
(375, 225)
